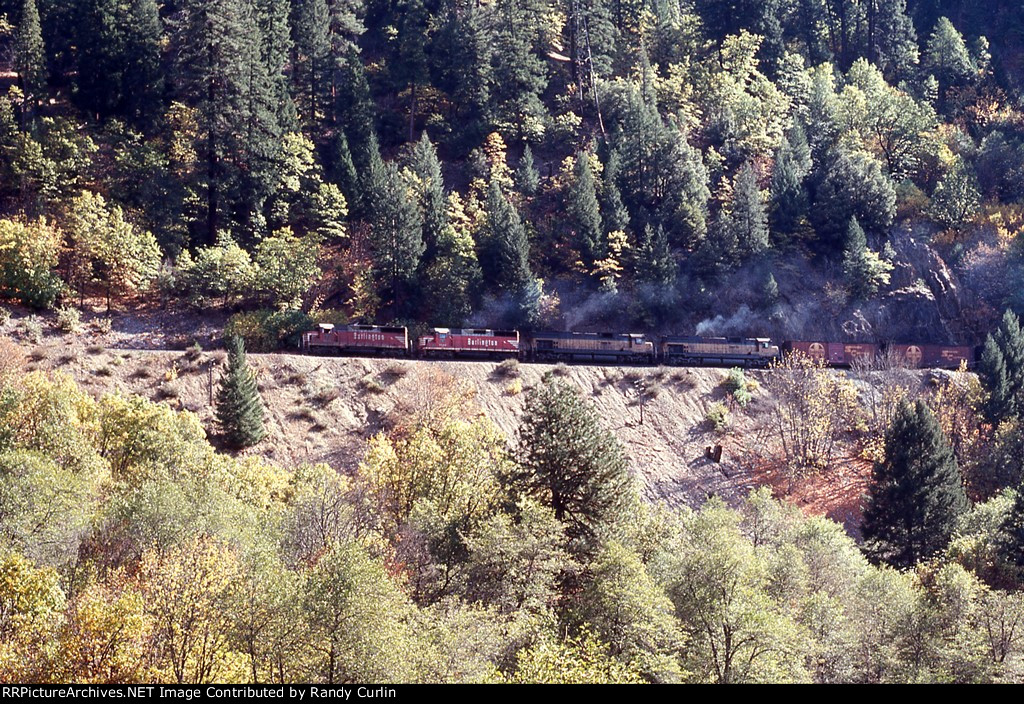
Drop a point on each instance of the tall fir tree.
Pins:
(275, 46)
(748, 214)
(410, 66)
(239, 408)
(463, 69)
(653, 260)
(520, 76)
(947, 57)
(788, 193)
(429, 188)
(99, 80)
(144, 77)
(916, 494)
(504, 249)
(397, 239)
(30, 55)
(583, 215)
(218, 44)
(312, 72)
(571, 463)
(1001, 370)
(527, 177)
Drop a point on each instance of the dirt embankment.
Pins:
(324, 409)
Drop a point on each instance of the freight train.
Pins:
(622, 348)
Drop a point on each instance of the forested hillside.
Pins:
(834, 169)
(829, 167)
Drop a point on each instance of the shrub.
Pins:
(95, 349)
(32, 329)
(718, 416)
(102, 325)
(740, 386)
(514, 388)
(561, 369)
(396, 371)
(325, 394)
(69, 319)
(371, 385)
(193, 351)
(508, 368)
(5, 316)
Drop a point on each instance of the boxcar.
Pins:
(567, 346)
(356, 339)
(933, 356)
(744, 352)
(836, 354)
(449, 342)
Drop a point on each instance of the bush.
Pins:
(718, 416)
(508, 368)
(371, 385)
(5, 316)
(69, 319)
(102, 325)
(32, 329)
(740, 386)
(514, 388)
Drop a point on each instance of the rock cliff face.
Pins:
(927, 301)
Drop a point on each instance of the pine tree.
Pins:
(527, 178)
(30, 55)
(946, 56)
(463, 69)
(397, 238)
(789, 195)
(865, 271)
(239, 406)
(275, 47)
(143, 77)
(505, 249)
(916, 493)
(583, 215)
(410, 67)
(341, 168)
(429, 187)
(653, 260)
(101, 57)
(1001, 370)
(748, 216)
(218, 44)
(311, 61)
(569, 462)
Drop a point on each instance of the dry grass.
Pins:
(12, 358)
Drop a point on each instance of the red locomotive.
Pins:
(452, 342)
(356, 339)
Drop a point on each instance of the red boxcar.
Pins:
(934, 356)
(371, 339)
(836, 354)
(452, 342)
